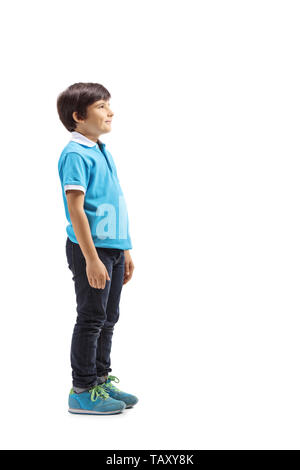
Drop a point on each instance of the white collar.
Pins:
(81, 139)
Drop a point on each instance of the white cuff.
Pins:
(74, 186)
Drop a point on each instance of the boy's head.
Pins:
(85, 108)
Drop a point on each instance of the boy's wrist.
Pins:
(90, 259)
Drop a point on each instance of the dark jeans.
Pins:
(97, 313)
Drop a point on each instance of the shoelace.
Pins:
(98, 391)
(111, 386)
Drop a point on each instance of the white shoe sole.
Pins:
(91, 412)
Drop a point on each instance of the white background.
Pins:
(206, 142)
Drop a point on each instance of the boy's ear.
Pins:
(75, 116)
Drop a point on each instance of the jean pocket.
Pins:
(120, 258)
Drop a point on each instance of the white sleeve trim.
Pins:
(74, 186)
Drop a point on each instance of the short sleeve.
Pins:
(75, 172)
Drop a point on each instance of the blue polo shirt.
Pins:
(89, 167)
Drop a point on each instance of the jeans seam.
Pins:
(73, 261)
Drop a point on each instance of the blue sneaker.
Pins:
(114, 392)
(95, 401)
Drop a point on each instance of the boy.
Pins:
(97, 246)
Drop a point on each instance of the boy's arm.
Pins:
(81, 226)
(96, 270)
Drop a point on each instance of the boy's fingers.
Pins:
(106, 275)
(127, 277)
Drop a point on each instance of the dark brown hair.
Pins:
(78, 97)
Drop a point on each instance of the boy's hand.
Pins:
(97, 273)
(129, 267)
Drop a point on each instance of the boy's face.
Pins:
(98, 120)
